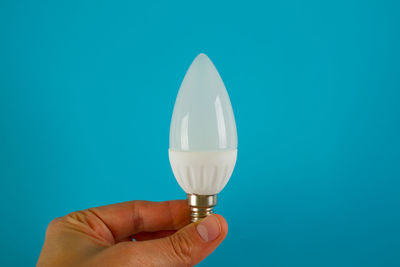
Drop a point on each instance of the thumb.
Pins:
(188, 246)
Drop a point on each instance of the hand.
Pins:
(103, 236)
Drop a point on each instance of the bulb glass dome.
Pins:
(203, 118)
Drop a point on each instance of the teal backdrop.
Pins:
(87, 90)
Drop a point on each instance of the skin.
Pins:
(103, 236)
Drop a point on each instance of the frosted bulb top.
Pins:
(203, 119)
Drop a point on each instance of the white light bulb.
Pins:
(203, 138)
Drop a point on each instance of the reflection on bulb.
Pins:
(203, 138)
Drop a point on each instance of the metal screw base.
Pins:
(201, 206)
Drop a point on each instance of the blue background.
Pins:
(86, 95)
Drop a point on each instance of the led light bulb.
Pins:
(203, 138)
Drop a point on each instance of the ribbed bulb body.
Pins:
(203, 137)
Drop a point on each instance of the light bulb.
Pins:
(203, 138)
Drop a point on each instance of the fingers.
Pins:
(128, 218)
(186, 247)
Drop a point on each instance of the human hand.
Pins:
(103, 236)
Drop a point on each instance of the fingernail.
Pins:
(209, 228)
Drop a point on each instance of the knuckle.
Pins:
(78, 216)
(181, 248)
(69, 220)
(54, 224)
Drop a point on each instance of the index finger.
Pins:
(128, 218)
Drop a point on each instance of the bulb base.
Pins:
(201, 206)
